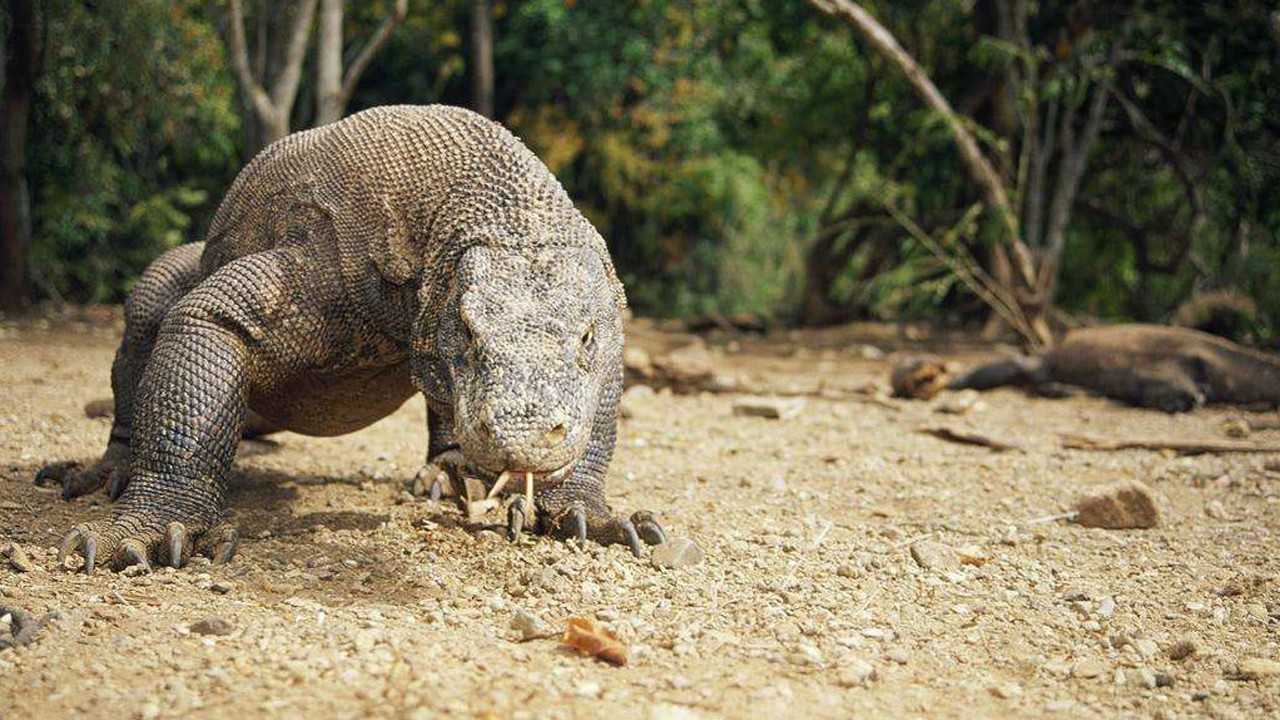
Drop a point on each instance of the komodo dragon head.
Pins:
(528, 347)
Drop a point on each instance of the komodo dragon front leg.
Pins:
(213, 347)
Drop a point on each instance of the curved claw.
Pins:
(119, 481)
(135, 554)
(648, 528)
(516, 516)
(70, 543)
(574, 524)
(175, 536)
(90, 550)
(225, 550)
(84, 541)
(630, 536)
(54, 473)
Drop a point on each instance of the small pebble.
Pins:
(848, 570)
(1106, 608)
(530, 626)
(855, 671)
(18, 559)
(771, 408)
(1088, 668)
(212, 626)
(1216, 510)
(1146, 647)
(677, 553)
(1007, 691)
(1187, 647)
(934, 556)
(1121, 505)
(1255, 668)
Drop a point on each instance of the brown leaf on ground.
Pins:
(586, 637)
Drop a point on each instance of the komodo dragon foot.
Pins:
(573, 520)
(132, 539)
(111, 471)
(575, 523)
(578, 514)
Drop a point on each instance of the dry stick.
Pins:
(1050, 518)
(910, 541)
(817, 542)
(978, 282)
(1182, 447)
(967, 437)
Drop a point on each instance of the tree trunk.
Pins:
(21, 67)
(333, 88)
(272, 108)
(329, 101)
(482, 57)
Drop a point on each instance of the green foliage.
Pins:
(737, 156)
(134, 139)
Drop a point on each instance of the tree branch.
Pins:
(286, 87)
(240, 63)
(979, 167)
(372, 47)
(1074, 161)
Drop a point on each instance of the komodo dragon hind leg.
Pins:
(162, 285)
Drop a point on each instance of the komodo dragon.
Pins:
(1154, 366)
(402, 249)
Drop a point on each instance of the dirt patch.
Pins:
(351, 598)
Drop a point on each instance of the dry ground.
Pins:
(350, 599)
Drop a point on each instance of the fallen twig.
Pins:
(1050, 518)
(1182, 447)
(969, 437)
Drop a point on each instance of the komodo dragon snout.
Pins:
(525, 346)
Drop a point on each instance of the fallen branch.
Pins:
(1182, 447)
(969, 437)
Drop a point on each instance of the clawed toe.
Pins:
(124, 545)
(56, 473)
(519, 513)
(573, 524)
(116, 484)
(175, 543)
(134, 553)
(630, 537)
(648, 528)
(83, 540)
(222, 542)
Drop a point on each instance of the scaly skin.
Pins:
(1164, 368)
(404, 249)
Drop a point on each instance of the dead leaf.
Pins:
(586, 637)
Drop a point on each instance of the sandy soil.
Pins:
(351, 598)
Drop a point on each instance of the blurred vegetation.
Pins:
(738, 156)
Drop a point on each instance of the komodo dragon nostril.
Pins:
(555, 436)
